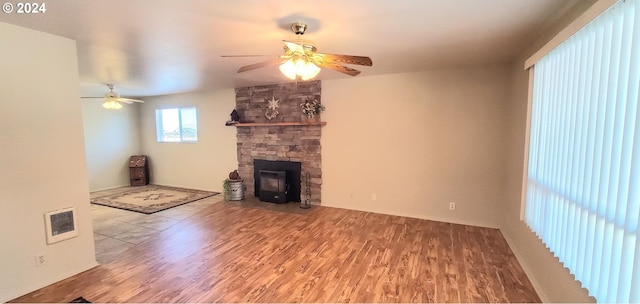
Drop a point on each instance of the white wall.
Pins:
(111, 137)
(202, 165)
(42, 160)
(418, 141)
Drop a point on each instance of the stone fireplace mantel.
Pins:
(275, 124)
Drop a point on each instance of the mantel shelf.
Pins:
(275, 124)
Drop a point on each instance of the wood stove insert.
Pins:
(273, 186)
(292, 177)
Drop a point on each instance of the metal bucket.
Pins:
(236, 191)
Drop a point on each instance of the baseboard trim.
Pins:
(429, 218)
(536, 284)
(45, 283)
(104, 189)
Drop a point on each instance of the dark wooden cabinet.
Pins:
(139, 170)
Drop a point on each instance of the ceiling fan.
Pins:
(301, 59)
(112, 100)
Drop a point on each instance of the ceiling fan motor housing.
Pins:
(299, 28)
(111, 95)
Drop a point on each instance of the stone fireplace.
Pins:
(287, 137)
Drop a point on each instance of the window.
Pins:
(177, 125)
(583, 172)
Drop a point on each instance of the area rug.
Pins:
(151, 198)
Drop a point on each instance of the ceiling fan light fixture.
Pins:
(112, 104)
(310, 71)
(289, 69)
(299, 67)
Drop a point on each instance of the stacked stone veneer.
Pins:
(285, 143)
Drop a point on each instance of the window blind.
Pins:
(583, 173)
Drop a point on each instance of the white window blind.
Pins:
(583, 174)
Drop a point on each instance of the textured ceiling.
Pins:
(156, 47)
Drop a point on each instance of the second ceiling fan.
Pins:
(301, 59)
(112, 100)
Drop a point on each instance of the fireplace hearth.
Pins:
(280, 177)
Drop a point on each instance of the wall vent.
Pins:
(61, 225)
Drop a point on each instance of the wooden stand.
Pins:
(138, 170)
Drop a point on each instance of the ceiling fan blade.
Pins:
(248, 56)
(337, 67)
(294, 46)
(276, 61)
(128, 100)
(349, 59)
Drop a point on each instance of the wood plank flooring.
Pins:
(232, 253)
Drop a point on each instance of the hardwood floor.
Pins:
(117, 230)
(234, 253)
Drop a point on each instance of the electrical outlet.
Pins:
(41, 259)
(374, 197)
(452, 205)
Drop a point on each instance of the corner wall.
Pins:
(408, 144)
(202, 165)
(42, 160)
(111, 137)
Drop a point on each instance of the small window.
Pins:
(177, 125)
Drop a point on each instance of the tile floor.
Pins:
(116, 230)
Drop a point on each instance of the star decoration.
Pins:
(272, 110)
(273, 103)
